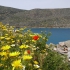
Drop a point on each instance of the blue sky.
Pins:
(31, 4)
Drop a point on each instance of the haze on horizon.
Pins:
(32, 4)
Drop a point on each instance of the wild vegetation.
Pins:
(21, 49)
(35, 17)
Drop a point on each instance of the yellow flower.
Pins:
(13, 41)
(5, 29)
(25, 53)
(6, 47)
(1, 64)
(35, 62)
(27, 57)
(6, 34)
(16, 30)
(20, 35)
(10, 30)
(34, 41)
(7, 38)
(2, 37)
(16, 63)
(4, 58)
(21, 28)
(12, 37)
(23, 46)
(31, 35)
(3, 53)
(14, 53)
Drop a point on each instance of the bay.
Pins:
(57, 34)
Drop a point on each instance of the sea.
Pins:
(57, 34)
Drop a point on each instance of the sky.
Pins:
(32, 4)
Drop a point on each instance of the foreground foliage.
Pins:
(21, 49)
(55, 61)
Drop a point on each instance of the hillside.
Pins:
(35, 17)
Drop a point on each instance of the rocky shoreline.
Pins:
(62, 48)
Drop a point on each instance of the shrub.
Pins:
(21, 48)
(55, 61)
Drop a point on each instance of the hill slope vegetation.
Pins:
(35, 17)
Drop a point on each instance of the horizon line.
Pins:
(34, 8)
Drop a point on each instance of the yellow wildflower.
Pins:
(7, 38)
(31, 35)
(3, 53)
(23, 46)
(34, 41)
(14, 53)
(20, 35)
(5, 29)
(27, 57)
(12, 37)
(27, 41)
(10, 30)
(25, 53)
(4, 58)
(8, 42)
(16, 63)
(2, 37)
(16, 30)
(1, 64)
(35, 62)
(6, 47)
(6, 34)
(21, 28)
(13, 41)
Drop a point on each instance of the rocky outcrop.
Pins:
(64, 48)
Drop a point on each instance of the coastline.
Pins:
(48, 27)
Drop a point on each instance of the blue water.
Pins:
(57, 34)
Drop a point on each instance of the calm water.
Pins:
(57, 34)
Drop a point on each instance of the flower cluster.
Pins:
(19, 48)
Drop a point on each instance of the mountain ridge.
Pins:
(35, 17)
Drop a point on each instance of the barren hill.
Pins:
(35, 17)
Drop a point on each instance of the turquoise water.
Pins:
(57, 34)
